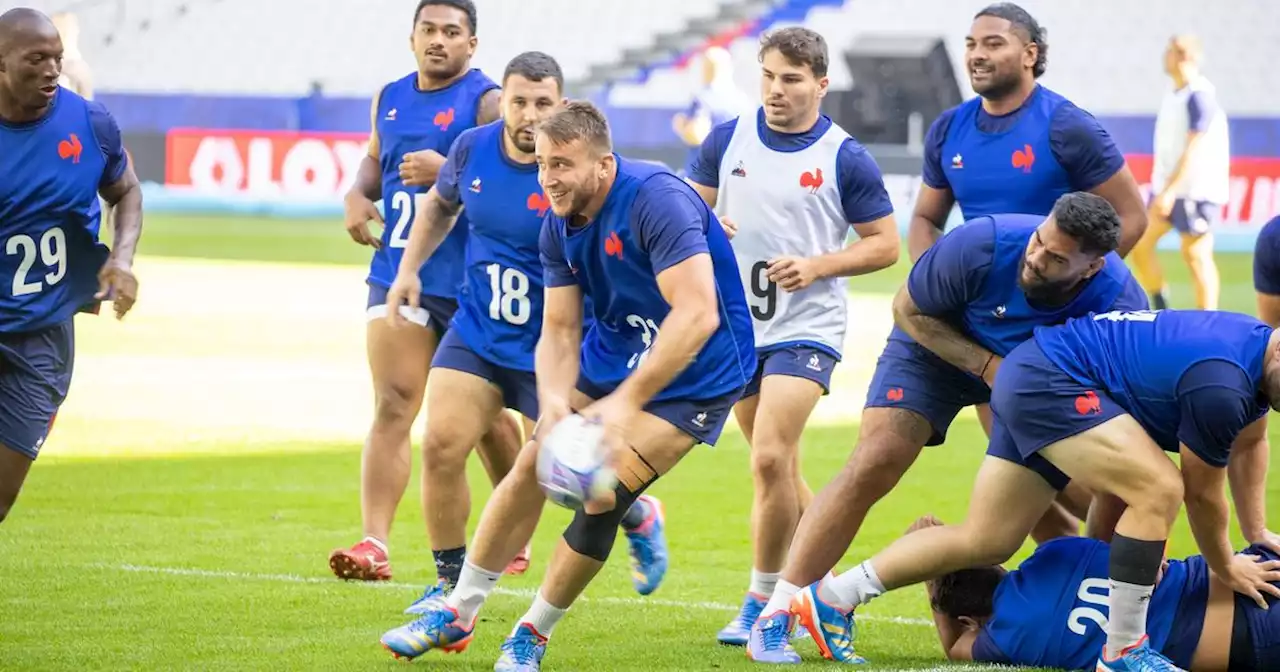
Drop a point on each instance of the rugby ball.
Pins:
(571, 462)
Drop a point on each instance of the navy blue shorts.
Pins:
(703, 419)
(1037, 404)
(1259, 633)
(910, 377)
(1194, 218)
(434, 312)
(35, 375)
(798, 360)
(519, 389)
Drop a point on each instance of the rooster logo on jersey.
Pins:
(812, 181)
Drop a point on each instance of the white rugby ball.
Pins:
(571, 462)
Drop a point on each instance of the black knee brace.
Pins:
(593, 535)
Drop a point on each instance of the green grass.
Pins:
(217, 560)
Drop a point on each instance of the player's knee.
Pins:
(443, 451)
(1159, 494)
(877, 464)
(773, 462)
(593, 535)
(396, 404)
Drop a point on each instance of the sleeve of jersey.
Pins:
(454, 164)
(986, 651)
(704, 167)
(932, 168)
(1132, 297)
(107, 133)
(555, 269)
(1215, 401)
(1201, 106)
(670, 227)
(862, 192)
(1083, 148)
(1266, 259)
(950, 273)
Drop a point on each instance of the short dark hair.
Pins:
(968, 592)
(578, 120)
(800, 46)
(1090, 220)
(1028, 29)
(465, 6)
(534, 66)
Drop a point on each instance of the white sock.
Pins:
(852, 589)
(780, 599)
(543, 616)
(474, 585)
(1127, 624)
(382, 545)
(762, 583)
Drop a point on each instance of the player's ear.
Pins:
(1030, 55)
(969, 624)
(1095, 266)
(823, 83)
(472, 42)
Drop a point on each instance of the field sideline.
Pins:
(207, 461)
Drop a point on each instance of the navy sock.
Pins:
(449, 564)
(1160, 300)
(636, 515)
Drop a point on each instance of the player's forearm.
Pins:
(432, 223)
(368, 182)
(922, 233)
(680, 338)
(128, 224)
(1247, 473)
(555, 362)
(1180, 168)
(1209, 518)
(939, 337)
(866, 255)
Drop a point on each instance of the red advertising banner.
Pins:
(1255, 189)
(284, 164)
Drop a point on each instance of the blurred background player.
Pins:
(662, 365)
(718, 100)
(1190, 176)
(51, 260)
(1050, 611)
(972, 297)
(1266, 272)
(1101, 399)
(788, 184)
(76, 74)
(414, 121)
(1017, 146)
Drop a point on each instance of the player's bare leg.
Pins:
(399, 358)
(498, 451)
(14, 467)
(1146, 265)
(1197, 251)
(781, 411)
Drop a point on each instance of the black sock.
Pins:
(449, 564)
(1160, 300)
(1134, 567)
(636, 515)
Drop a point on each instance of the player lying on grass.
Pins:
(1100, 399)
(1051, 610)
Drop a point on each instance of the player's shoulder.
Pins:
(1270, 234)
(477, 77)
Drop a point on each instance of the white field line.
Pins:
(525, 593)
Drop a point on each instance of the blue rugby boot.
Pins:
(437, 628)
(523, 651)
(648, 545)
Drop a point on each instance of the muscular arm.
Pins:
(877, 247)
(1121, 191)
(1247, 474)
(434, 220)
(939, 337)
(559, 346)
(125, 197)
(1207, 512)
(865, 204)
(368, 182)
(1085, 149)
(929, 219)
(689, 287)
(490, 108)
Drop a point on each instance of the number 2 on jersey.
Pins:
(510, 291)
(402, 204)
(765, 289)
(648, 331)
(51, 251)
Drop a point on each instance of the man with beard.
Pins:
(415, 120)
(485, 361)
(1017, 146)
(666, 357)
(970, 300)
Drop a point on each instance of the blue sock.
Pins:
(449, 564)
(636, 515)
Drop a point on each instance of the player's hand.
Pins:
(407, 289)
(359, 211)
(989, 376)
(616, 413)
(550, 413)
(924, 522)
(1162, 205)
(730, 229)
(1269, 540)
(421, 168)
(117, 284)
(1251, 576)
(792, 273)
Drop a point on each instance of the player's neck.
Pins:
(803, 125)
(428, 83)
(13, 113)
(593, 206)
(1182, 79)
(513, 152)
(1010, 101)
